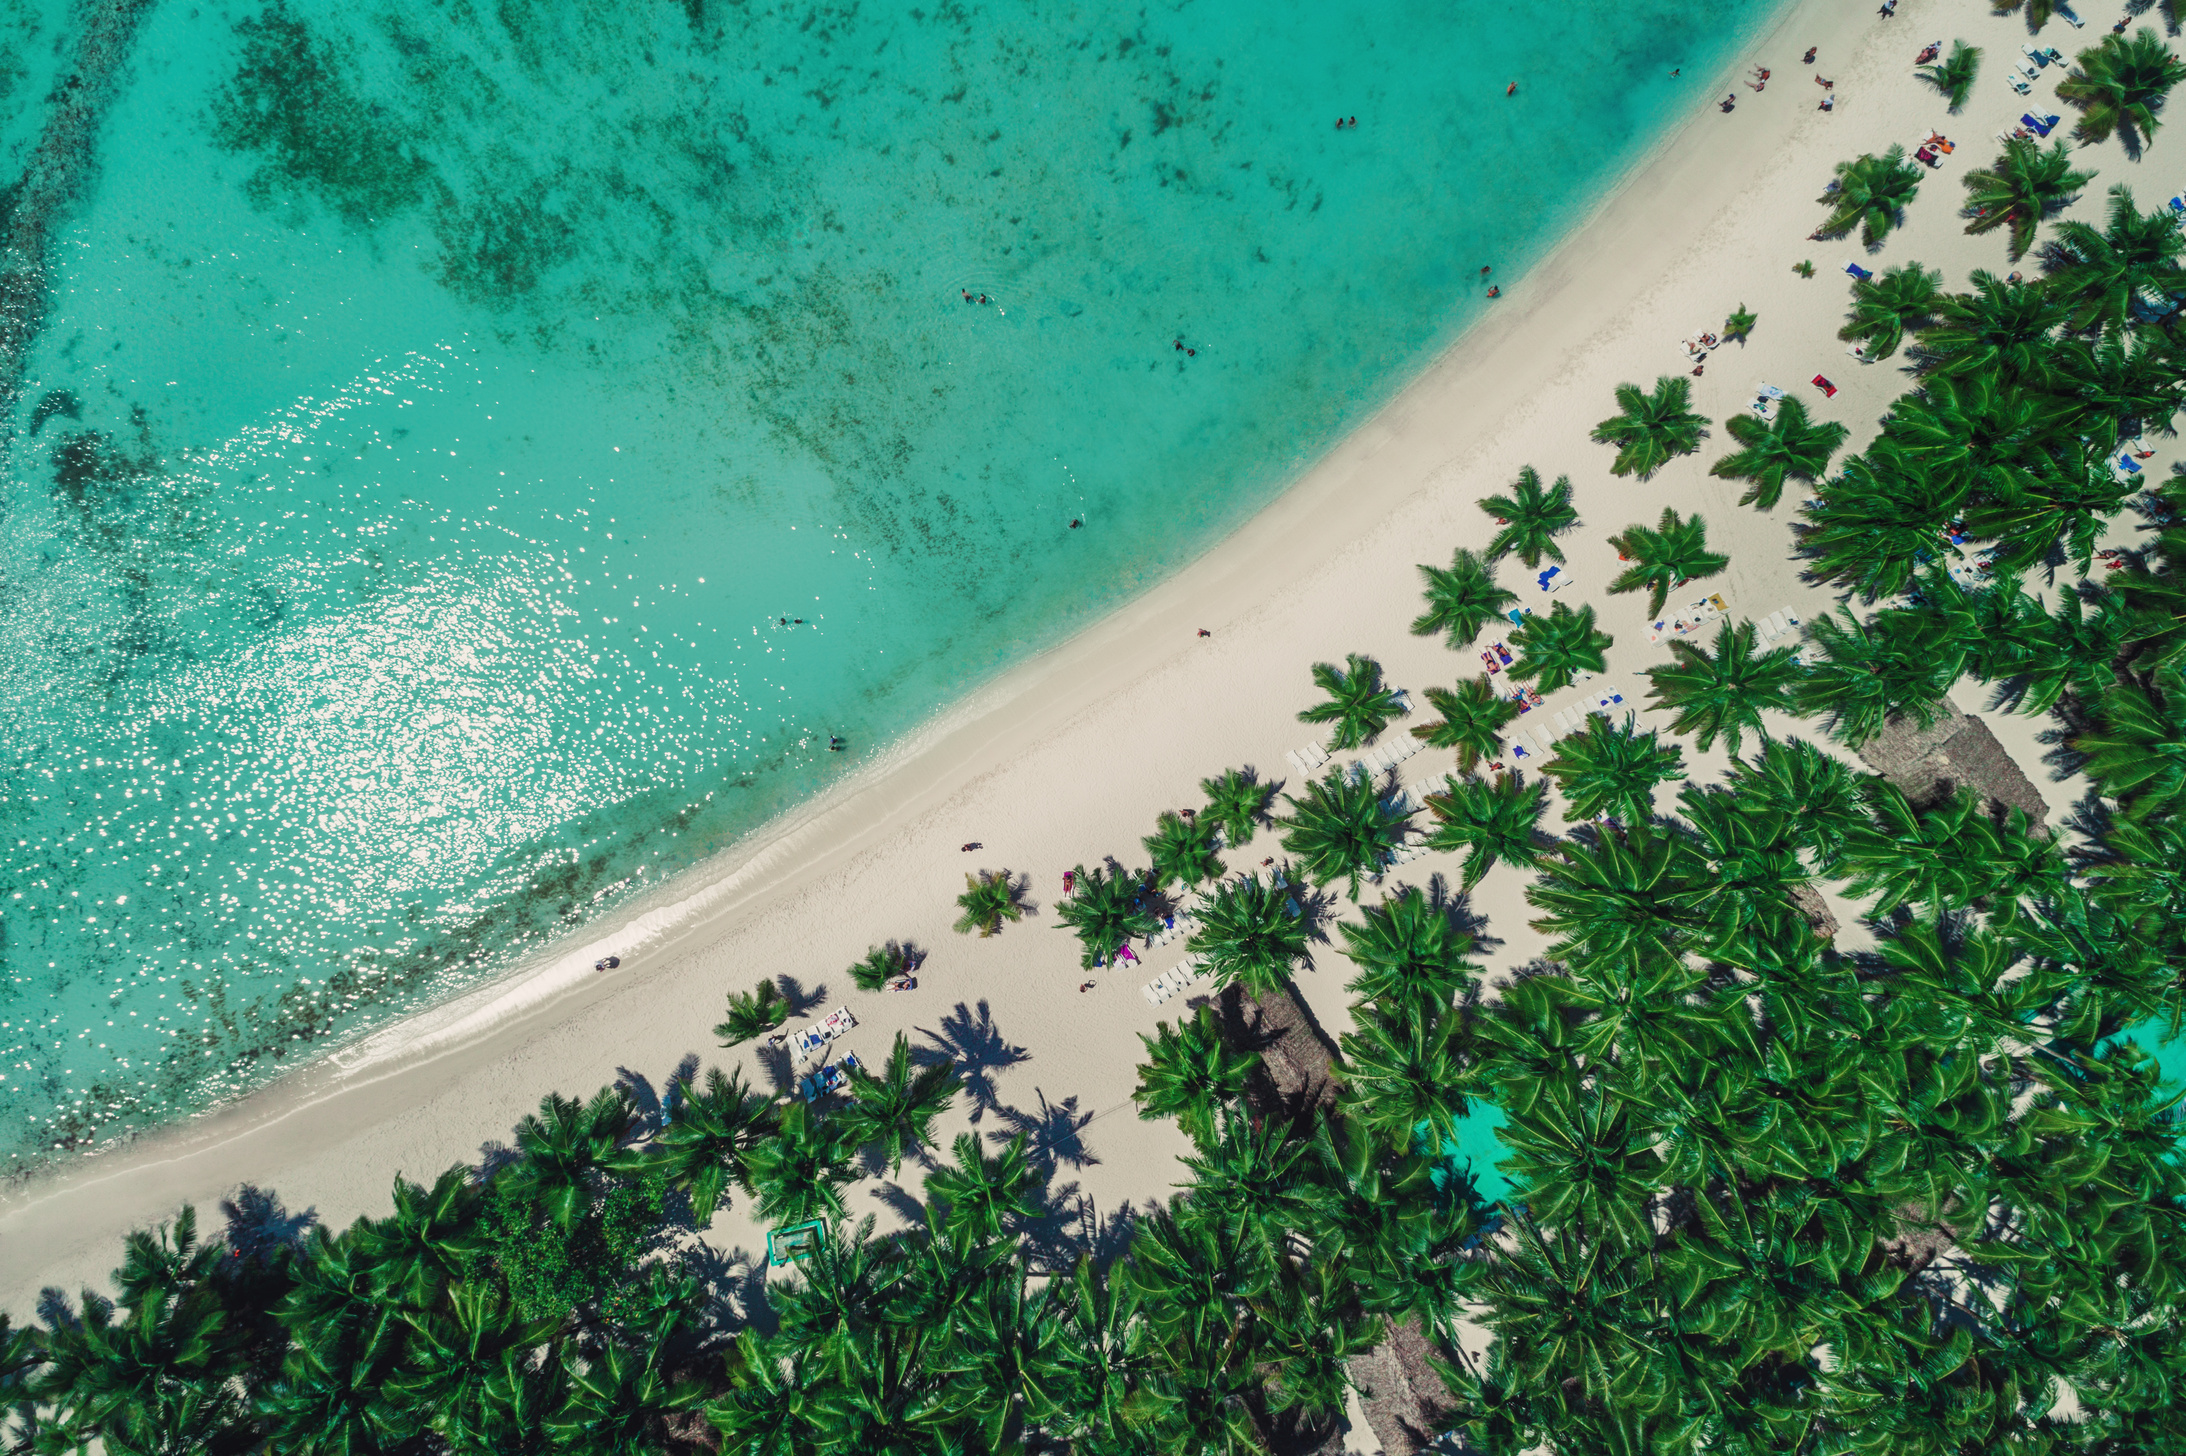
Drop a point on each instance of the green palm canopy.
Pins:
(1791, 446)
(1192, 1074)
(799, 1173)
(1529, 519)
(1472, 722)
(1358, 704)
(1252, 934)
(990, 897)
(1183, 850)
(1868, 671)
(1409, 951)
(986, 1195)
(2020, 188)
(1402, 1070)
(1237, 804)
(1613, 769)
(1871, 194)
(1557, 646)
(1341, 828)
(1954, 74)
(1461, 599)
(1493, 821)
(1723, 693)
(1893, 303)
(1650, 429)
(2099, 274)
(752, 1014)
(1106, 911)
(882, 964)
(2121, 86)
(895, 1108)
(701, 1149)
(2136, 747)
(1667, 554)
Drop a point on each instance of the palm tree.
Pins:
(1558, 646)
(1817, 794)
(148, 1382)
(1342, 828)
(1190, 1073)
(2001, 331)
(1106, 912)
(1638, 891)
(2101, 274)
(1408, 950)
(2136, 745)
(1885, 307)
(767, 1409)
(1402, 1071)
(989, 898)
(457, 1360)
(2020, 188)
(1252, 935)
(984, 1194)
(1648, 429)
(1461, 599)
(2120, 86)
(618, 1399)
(1724, 693)
(752, 1013)
(1237, 804)
(799, 1173)
(1529, 518)
(1954, 74)
(702, 1147)
(1867, 672)
(563, 1144)
(882, 964)
(1666, 555)
(1740, 324)
(1183, 850)
(1358, 704)
(1789, 445)
(418, 1250)
(1497, 822)
(1612, 768)
(1871, 193)
(897, 1108)
(1877, 521)
(1472, 721)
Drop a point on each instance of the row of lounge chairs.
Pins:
(1175, 979)
(1785, 623)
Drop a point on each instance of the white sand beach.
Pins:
(1070, 757)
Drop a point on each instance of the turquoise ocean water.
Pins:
(478, 454)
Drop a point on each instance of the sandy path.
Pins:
(1070, 757)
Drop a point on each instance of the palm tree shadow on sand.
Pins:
(1052, 1134)
(971, 1040)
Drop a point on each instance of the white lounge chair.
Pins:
(1776, 625)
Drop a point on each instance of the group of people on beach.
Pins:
(1760, 82)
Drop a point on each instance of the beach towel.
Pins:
(1857, 271)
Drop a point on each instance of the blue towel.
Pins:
(1858, 272)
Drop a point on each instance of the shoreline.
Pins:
(655, 921)
(1415, 462)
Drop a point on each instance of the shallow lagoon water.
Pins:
(478, 456)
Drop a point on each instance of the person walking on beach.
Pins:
(1808, 58)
